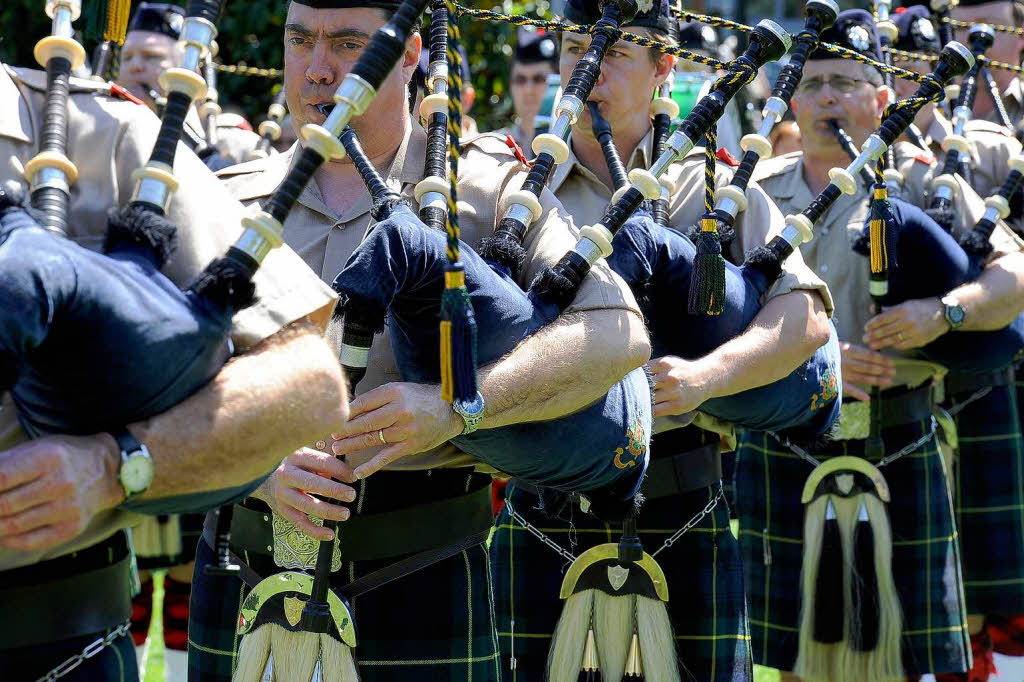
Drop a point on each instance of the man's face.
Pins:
(529, 82)
(144, 57)
(320, 47)
(835, 89)
(625, 86)
(1006, 48)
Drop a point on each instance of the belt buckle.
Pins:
(293, 549)
(854, 421)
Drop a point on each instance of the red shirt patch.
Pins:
(117, 91)
(724, 156)
(926, 159)
(517, 150)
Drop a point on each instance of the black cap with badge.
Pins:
(535, 49)
(653, 14)
(389, 5)
(917, 32)
(855, 30)
(158, 17)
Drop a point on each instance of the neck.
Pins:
(526, 125)
(340, 184)
(817, 166)
(925, 117)
(588, 150)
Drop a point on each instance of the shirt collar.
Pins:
(640, 158)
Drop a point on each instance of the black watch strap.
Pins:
(126, 441)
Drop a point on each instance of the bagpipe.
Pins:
(601, 449)
(270, 129)
(731, 199)
(657, 263)
(956, 146)
(888, 34)
(912, 238)
(92, 342)
(850, 623)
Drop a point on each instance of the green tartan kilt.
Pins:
(989, 500)
(702, 569)
(434, 625)
(926, 555)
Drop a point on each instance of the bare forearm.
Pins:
(783, 335)
(997, 297)
(285, 393)
(563, 367)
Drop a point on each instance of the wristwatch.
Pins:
(136, 473)
(954, 312)
(471, 411)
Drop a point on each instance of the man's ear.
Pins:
(885, 96)
(666, 63)
(411, 57)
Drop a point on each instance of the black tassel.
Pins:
(943, 215)
(864, 597)
(136, 225)
(225, 283)
(828, 588)
(707, 279)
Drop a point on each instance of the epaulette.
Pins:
(34, 79)
(119, 92)
(777, 165)
(230, 120)
(983, 126)
(925, 158)
(489, 143)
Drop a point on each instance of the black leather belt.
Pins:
(963, 382)
(901, 406)
(372, 536)
(73, 595)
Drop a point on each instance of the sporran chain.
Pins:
(671, 540)
(88, 652)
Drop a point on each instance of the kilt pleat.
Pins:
(989, 500)
(703, 572)
(926, 553)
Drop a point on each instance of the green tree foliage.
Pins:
(251, 33)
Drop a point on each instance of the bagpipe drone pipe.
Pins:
(925, 261)
(92, 342)
(401, 276)
(657, 263)
(956, 146)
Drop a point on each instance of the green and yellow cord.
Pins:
(904, 55)
(244, 69)
(1000, 28)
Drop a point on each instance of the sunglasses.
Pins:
(539, 79)
(841, 84)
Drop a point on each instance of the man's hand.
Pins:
(910, 324)
(289, 490)
(865, 367)
(51, 488)
(412, 418)
(680, 386)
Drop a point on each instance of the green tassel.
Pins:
(458, 337)
(707, 279)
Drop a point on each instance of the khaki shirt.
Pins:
(488, 171)
(991, 147)
(108, 139)
(586, 198)
(520, 136)
(830, 253)
(233, 142)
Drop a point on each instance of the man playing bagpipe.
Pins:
(843, 620)
(151, 46)
(409, 490)
(684, 486)
(991, 144)
(65, 560)
(1007, 48)
(533, 60)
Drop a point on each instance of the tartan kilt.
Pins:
(989, 500)
(434, 625)
(114, 662)
(926, 554)
(702, 569)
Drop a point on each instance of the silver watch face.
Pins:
(470, 408)
(136, 473)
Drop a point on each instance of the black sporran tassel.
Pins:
(864, 596)
(828, 588)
